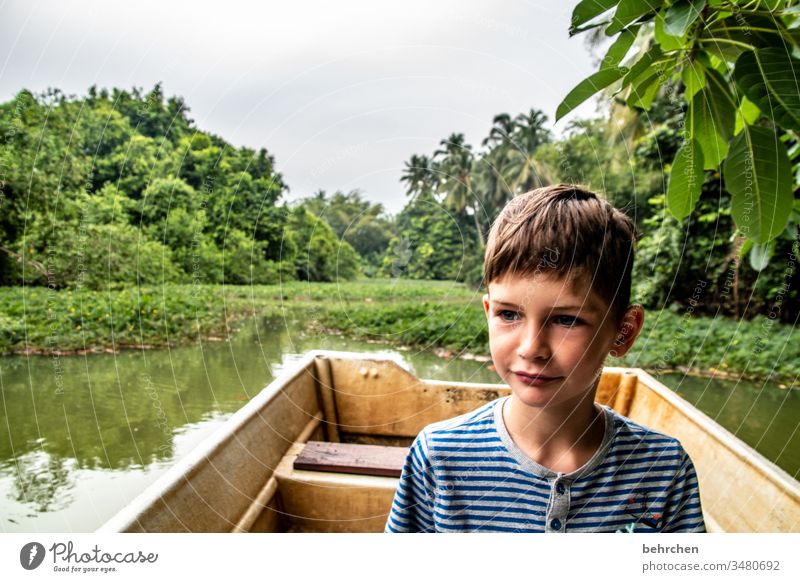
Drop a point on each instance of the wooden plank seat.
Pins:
(351, 458)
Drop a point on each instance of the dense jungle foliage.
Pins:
(120, 187)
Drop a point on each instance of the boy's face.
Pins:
(549, 337)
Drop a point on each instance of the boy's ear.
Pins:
(486, 304)
(629, 329)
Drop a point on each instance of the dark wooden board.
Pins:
(352, 458)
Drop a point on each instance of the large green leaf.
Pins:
(588, 87)
(644, 89)
(694, 78)
(747, 114)
(711, 119)
(666, 41)
(703, 129)
(628, 11)
(680, 16)
(619, 48)
(758, 176)
(721, 103)
(646, 75)
(587, 10)
(685, 180)
(770, 79)
(653, 57)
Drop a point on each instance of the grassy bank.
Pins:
(40, 320)
(425, 314)
(37, 319)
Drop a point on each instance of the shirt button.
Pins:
(560, 488)
(556, 524)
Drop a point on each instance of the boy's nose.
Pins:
(534, 346)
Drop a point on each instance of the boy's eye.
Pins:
(508, 315)
(568, 320)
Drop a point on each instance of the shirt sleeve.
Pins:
(683, 512)
(412, 508)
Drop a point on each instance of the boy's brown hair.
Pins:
(568, 231)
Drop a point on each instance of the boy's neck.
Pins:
(562, 439)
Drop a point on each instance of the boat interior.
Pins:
(320, 450)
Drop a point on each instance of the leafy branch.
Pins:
(736, 65)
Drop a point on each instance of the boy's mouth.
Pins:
(534, 379)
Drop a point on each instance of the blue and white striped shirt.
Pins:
(466, 474)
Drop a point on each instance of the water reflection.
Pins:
(44, 481)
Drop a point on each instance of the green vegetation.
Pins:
(433, 242)
(38, 319)
(360, 223)
(128, 190)
(729, 68)
(425, 314)
(119, 188)
(675, 339)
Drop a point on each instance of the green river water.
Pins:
(81, 436)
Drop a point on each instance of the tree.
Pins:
(320, 254)
(420, 176)
(511, 164)
(490, 181)
(161, 197)
(243, 261)
(492, 173)
(500, 133)
(124, 176)
(454, 166)
(524, 171)
(355, 220)
(432, 243)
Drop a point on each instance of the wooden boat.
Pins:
(244, 478)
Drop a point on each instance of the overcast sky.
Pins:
(341, 93)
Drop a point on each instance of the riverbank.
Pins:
(440, 316)
(41, 321)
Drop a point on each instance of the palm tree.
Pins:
(491, 182)
(420, 176)
(456, 181)
(491, 167)
(455, 171)
(523, 171)
(500, 134)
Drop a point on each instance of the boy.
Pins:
(547, 458)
